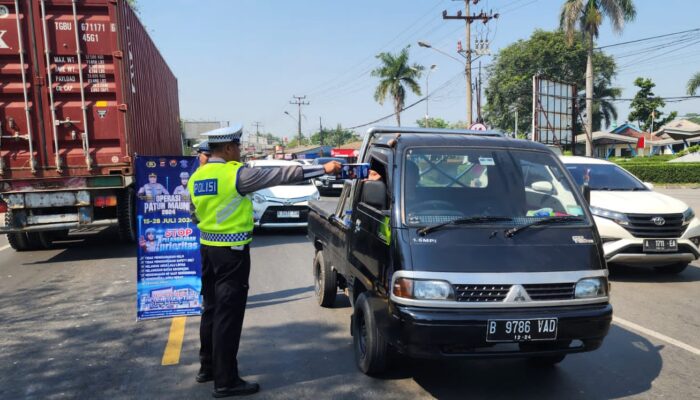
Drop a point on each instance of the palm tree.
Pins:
(588, 14)
(694, 84)
(395, 75)
(603, 109)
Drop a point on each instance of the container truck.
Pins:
(83, 90)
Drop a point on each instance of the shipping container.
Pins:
(82, 90)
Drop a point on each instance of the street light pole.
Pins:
(427, 94)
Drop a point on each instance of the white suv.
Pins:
(638, 227)
(283, 206)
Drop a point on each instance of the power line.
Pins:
(646, 39)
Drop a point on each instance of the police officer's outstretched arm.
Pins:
(254, 179)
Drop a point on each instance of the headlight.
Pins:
(619, 218)
(590, 288)
(14, 200)
(422, 289)
(258, 198)
(82, 198)
(688, 215)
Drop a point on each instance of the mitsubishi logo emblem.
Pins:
(517, 294)
(659, 221)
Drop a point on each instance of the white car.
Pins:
(284, 206)
(638, 226)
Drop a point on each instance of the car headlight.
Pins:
(688, 216)
(422, 289)
(590, 287)
(619, 218)
(258, 198)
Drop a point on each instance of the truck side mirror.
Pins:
(586, 190)
(374, 194)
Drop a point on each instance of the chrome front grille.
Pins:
(480, 293)
(643, 226)
(497, 293)
(550, 291)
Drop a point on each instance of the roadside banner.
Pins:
(169, 269)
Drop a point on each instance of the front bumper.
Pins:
(437, 333)
(266, 215)
(621, 247)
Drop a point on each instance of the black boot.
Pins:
(205, 375)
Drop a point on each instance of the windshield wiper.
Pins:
(551, 220)
(462, 221)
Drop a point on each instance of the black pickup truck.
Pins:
(471, 244)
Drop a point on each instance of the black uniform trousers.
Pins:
(225, 273)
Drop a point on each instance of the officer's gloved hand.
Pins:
(332, 168)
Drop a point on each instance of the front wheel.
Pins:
(325, 282)
(371, 349)
(671, 269)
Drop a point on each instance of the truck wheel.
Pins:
(370, 347)
(325, 282)
(18, 241)
(126, 214)
(671, 269)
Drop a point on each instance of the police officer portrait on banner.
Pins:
(224, 214)
(150, 190)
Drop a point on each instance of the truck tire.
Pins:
(18, 241)
(325, 282)
(671, 269)
(126, 214)
(371, 350)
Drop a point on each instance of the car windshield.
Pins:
(513, 187)
(306, 182)
(604, 177)
(323, 160)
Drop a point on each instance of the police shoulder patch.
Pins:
(206, 187)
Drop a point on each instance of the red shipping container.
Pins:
(83, 89)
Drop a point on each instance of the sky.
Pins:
(243, 60)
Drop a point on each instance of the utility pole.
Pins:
(320, 131)
(469, 18)
(299, 101)
(257, 126)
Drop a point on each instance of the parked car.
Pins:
(638, 226)
(451, 253)
(284, 206)
(328, 184)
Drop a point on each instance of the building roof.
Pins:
(680, 129)
(626, 126)
(351, 145)
(607, 138)
(304, 149)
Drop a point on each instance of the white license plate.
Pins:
(660, 245)
(336, 186)
(287, 214)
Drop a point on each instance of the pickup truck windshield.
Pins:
(519, 187)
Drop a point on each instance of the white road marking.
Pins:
(5, 247)
(656, 335)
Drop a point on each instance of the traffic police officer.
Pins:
(218, 191)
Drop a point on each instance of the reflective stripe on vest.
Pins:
(225, 217)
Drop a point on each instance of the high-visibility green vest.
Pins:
(225, 217)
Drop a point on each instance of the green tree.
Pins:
(694, 84)
(587, 16)
(645, 106)
(433, 123)
(549, 54)
(334, 137)
(395, 76)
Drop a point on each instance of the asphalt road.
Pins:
(68, 330)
